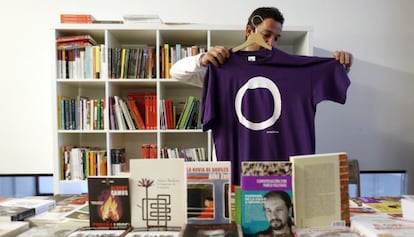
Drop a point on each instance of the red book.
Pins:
(135, 112)
(76, 18)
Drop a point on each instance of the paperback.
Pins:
(208, 192)
(11, 229)
(158, 193)
(98, 232)
(201, 230)
(266, 196)
(109, 203)
(375, 225)
(156, 232)
(49, 230)
(18, 209)
(320, 189)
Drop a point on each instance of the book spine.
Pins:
(23, 215)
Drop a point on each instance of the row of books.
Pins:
(170, 54)
(82, 113)
(188, 154)
(138, 111)
(78, 163)
(80, 57)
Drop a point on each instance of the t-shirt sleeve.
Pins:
(208, 99)
(329, 82)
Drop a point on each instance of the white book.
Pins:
(12, 228)
(127, 114)
(119, 115)
(318, 182)
(158, 193)
(375, 225)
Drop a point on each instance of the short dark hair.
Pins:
(280, 194)
(263, 13)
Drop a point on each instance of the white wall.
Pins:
(376, 126)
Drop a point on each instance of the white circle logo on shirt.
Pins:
(255, 83)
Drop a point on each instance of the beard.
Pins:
(277, 224)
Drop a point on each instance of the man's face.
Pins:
(276, 212)
(210, 233)
(270, 29)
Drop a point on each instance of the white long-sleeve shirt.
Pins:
(189, 70)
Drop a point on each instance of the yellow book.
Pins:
(167, 60)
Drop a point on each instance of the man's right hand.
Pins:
(216, 56)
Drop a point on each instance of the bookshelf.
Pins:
(295, 40)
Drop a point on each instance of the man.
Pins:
(260, 104)
(192, 69)
(278, 209)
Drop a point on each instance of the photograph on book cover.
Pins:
(208, 192)
(266, 197)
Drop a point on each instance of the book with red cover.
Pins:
(109, 203)
(76, 18)
(135, 112)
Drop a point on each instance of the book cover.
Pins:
(216, 230)
(11, 229)
(208, 192)
(320, 189)
(158, 193)
(156, 232)
(389, 204)
(49, 230)
(109, 202)
(266, 197)
(98, 232)
(18, 209)
(382, 225)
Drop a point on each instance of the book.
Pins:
(18, 209)
(12, 228)
(381, 225)
(407, 206)
(109, 202)
(135, 113)
(326, 231)
(219, 230)
(49, 230)
(383, 204)
(66, 18)
(155, 232)
(208, 192)
(266, 197)
(320, 189)
(158, 193)
(98, 232)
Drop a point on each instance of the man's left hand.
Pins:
(345, 58)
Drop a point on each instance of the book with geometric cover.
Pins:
(109, 202)
(208, 192)
(266, 198)
(320, 189)
(158, 193)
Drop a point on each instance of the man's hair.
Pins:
(262, 13)
(279, 194)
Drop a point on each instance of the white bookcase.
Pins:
(295, 40)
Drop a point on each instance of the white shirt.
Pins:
(189, 70)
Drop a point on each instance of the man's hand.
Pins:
(345, 58)
(216, 56)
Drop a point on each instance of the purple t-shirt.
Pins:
(261, 105)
